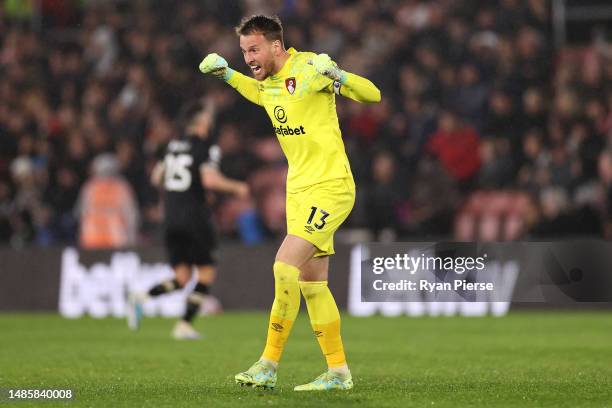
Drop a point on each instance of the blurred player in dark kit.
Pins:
(188, 168)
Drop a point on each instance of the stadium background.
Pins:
(488, 129)
(495, 125)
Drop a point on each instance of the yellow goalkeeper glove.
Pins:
(324, 65)
(216, 65)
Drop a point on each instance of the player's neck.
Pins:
(279, 63)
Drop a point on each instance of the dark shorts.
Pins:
(193, 245)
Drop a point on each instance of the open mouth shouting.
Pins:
(255, 68)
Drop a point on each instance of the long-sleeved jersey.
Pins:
(302, 107)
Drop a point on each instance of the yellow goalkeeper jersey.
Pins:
(302, 107)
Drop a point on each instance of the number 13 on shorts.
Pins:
(317, 212)
(323, 215)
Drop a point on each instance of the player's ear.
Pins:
(277, 46)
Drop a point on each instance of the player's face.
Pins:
(258, 54)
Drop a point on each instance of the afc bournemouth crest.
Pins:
(290, 84)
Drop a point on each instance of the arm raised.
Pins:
(350, 85)
(217, 66)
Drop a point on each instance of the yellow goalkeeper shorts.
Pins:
(316, 212)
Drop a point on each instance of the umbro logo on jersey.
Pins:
(290, 84)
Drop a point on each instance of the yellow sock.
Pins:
(325, 321)
(284, 309)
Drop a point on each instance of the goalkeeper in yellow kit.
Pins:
(298, 91)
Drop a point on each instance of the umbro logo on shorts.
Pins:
(308, 229)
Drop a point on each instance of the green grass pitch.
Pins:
(525, 359)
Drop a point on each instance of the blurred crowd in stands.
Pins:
(484, 131)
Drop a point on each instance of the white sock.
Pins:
(342, 371)
(270, 363)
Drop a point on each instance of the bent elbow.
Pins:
(211, 183)
(376, 97)
(373, 97)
